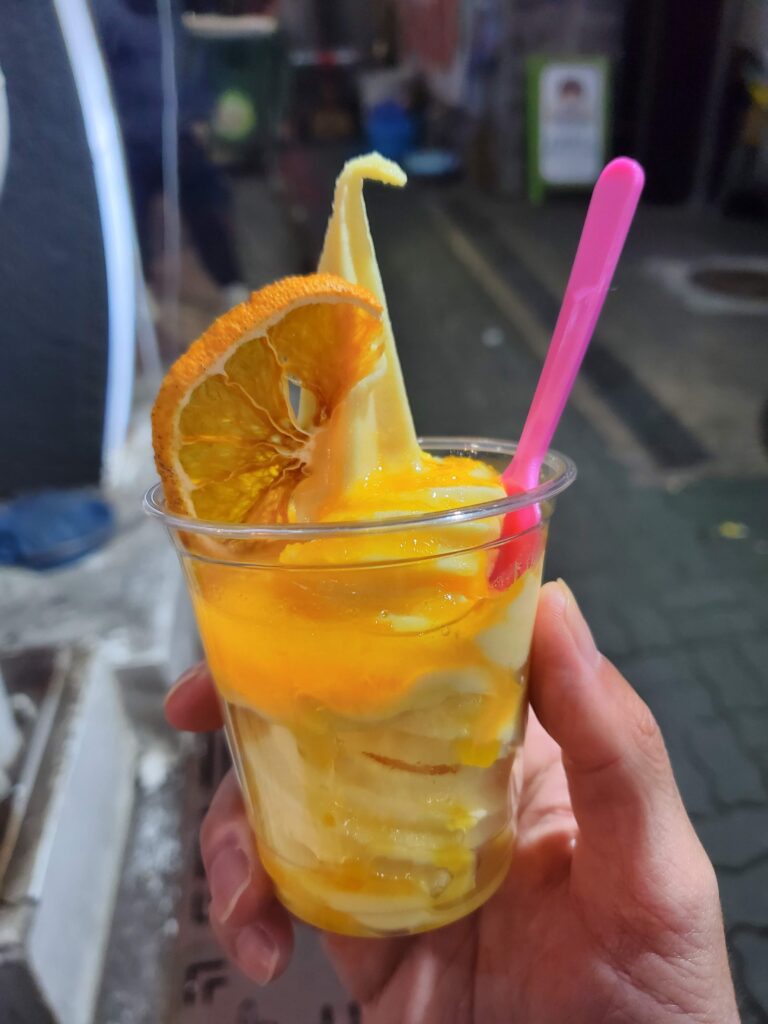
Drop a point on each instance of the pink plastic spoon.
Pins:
(611, 209)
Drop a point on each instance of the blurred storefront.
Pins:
(684, 95)
(474, 64)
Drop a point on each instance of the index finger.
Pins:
(192, 704)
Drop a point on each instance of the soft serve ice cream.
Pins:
(373, 679)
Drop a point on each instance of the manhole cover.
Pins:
(720, 284)
(738, 283)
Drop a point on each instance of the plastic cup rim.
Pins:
(564, 473)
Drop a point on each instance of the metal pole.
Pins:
(170, 162)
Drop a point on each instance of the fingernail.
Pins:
(559, 595)
(182, 681)
(580, 632)
(257, 953)
(228, 876)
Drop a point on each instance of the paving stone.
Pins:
(602, 608)
(752, 730)
(732, 557)
(727, 672)
(751, 949)
(757, 582)
(755, 651)
(611, 635)
(677, 721)
(699, 794)
(735, 838)
(752, 725)
(745, 896)
(648, 628)
(734, 776)
(691, 783)
(654, 577)
(750, 1014)
(670, 684)
(702, 594)
(570, 549)
(706, 623)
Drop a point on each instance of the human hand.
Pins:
(610, 911)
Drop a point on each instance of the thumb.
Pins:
(622, 788)
(638, 871)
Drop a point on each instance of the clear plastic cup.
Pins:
(373, 683)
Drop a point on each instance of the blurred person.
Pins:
(130, 33)
(610, 910)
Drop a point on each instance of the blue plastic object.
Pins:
(391, 129)
(53, 528)
(432, 163)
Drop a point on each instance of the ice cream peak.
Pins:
(372, 428)
(365, 460)
(229, 446)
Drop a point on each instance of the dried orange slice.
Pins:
(227, 444)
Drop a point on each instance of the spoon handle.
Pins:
(611, 209)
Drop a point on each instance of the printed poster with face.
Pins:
(571, 129)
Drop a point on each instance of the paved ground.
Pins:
(660, 347)
(665, 433)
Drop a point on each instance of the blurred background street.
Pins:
(230, 154)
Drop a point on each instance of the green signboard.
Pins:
(568, 116)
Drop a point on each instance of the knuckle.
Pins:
(696, 902)
(224, 813)
(647, 734)
(224, 935)
(674, 905)
(219, 830)
(704, 879)
(214, 830)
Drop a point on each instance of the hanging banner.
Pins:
(433, 42)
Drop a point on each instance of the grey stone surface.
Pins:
(727, 672)
(752, 727)
(668, 680)
(693, 787)
(649, 628)
(755, 651)
(733, 774)
(716, 389)
(750, 950)
(745, 895)
(701, 624)
(735, 838)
